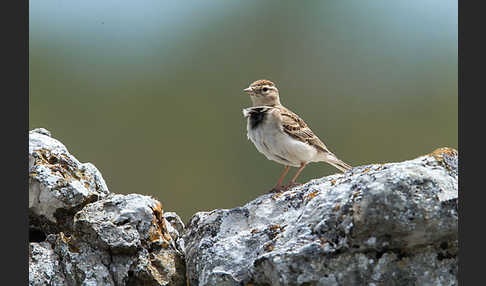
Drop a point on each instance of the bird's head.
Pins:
(263, 92)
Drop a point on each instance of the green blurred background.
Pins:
(151, 91)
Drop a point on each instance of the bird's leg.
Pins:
(277, 187)
(292, 182)
(283, 176)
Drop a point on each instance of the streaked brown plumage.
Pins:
(281, 135)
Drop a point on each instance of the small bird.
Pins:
(281, 135)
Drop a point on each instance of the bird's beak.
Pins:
(248, 89)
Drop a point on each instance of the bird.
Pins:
(281, 135)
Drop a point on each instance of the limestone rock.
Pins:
(91, 236)
(44, 265)
(59, 185)
(382, 224)
(121, 240)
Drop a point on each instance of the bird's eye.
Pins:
(265, 89)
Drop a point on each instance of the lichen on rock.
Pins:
(91, 236)
(381, 224)
(59, 185)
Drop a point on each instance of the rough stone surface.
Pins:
(59, 185)
(176, 229)
(44, 265)
(91, 236)
(383, 224)
(121, 240)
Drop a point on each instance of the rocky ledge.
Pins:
(81, 234)
(380, 224)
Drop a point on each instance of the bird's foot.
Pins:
(278, 189)
(293, 184)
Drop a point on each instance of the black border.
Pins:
(471, 123)
(15, 118)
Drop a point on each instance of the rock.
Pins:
(121, 240)
(122, 223)
(175, 221)
(382, 224)
(44, 265)
(89, 235)
(59, 185)
(175, 228)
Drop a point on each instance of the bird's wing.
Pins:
(294, 126)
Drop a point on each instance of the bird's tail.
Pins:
(333, 160)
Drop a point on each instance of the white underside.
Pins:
(276, 145)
